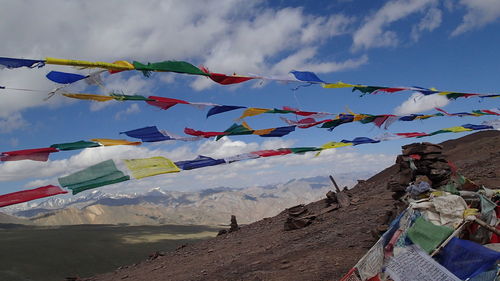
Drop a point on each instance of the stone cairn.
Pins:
(420, 162)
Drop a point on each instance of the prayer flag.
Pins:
(428, 235)
(147, 134)
(31, 194)
(99, 98)
(222, 108)
(164, 103)
(306, 76)
(37, 154)
(75, 145)
(360, 140)
(80, 63)
(148, 167)
(110, 142)
(269, 153)
(15, 63)
(101, 174)
(121, 97)
(277, 132)
(199, 162)
(64, 77)
(169, 66)
(467, 259)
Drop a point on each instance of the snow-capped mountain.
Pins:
(157, 206)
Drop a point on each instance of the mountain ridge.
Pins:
(212, 206)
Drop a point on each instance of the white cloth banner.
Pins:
(416, 265)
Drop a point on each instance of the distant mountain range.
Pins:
(206, 207)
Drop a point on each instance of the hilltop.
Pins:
(324, 250)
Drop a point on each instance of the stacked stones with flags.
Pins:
(447, 230)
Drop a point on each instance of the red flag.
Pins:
(268, 153)
(164, 103)
(412, 135)
(31, 194)
(193, 132)
(37, 154)
(225, 79)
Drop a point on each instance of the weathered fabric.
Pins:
(276, 132)
(360, 140)
(147, 134)
(148, 167)
(428, 235)
(331, 144)
(337, 85)
(306, 76)
(16, 63)
(75, 145)
(416, 265)
(164, 103)
(122, 97)
(222, 108)
(203, 134)
(199, 162)
(31, 194)
(467, 259)
(98, 64)
(169, 66)
(224, 79)
(92, 97)
(443, 210)
(241, 157)
(110, 142)
(37, 154)
(252, 111)
(101, 174)
(372, 262)
(64, 77)
(269, 153)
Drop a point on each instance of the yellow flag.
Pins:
(332, 144)
(147, 167)
(110, 142)
(425, 116)
(252, 111)
(444, 93)
(358, 117)
(245, 124)
(120, 65)
(457, 129)
(263, 131)
(88, 97)
(337, 85)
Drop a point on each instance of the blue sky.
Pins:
(450, 45)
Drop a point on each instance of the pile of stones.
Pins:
(420, 162)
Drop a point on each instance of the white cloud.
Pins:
(226, 35)
(418, 102)
(238, 174)
(133, 108)
(479, 13)
(12, 122)
(429, 22)
(373, 33)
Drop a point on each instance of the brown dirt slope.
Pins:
(325, 250)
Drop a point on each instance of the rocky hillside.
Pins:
(324, 250)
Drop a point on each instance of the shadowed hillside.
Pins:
(324, 250)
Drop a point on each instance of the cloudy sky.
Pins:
(450, 45)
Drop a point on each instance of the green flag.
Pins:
(75, 145)
(101, 174)
(170, 66)
(428, 235)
